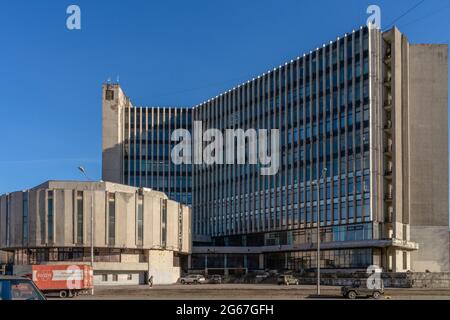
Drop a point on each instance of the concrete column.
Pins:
(398, 257)
(391, 259)
(261, 261)
(189, 262)
(385, 259)
(377, 257)
(285, 260)
(225, 264)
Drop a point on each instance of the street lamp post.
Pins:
(83, 171)
(323, 175)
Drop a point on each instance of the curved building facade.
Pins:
(137, 231)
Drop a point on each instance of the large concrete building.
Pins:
(138, 232)
(137, 146)
(370, 107)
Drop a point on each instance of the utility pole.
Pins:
(83, 171)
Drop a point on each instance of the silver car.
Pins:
(193, 279)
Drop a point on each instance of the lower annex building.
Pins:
(138, 232)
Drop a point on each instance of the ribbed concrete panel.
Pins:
(106, 196)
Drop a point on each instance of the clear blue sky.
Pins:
(175, 53)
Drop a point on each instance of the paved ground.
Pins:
(247, 292)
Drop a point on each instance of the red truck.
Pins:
(65, 280)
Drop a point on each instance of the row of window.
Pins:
(295, 261)
(351, 232)
(157, 118)
(160, 183)
(329, 259)
(281, 104)
(48, 224)
(115, 277)
(281, 219)
(236, 261)
(285, 105)
(302, 68)
(40, 255)
(294, 134)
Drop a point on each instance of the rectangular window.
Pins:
(140, 220)
(8, 221)
(104, 277)
(111, 219)
(405, 260)
(115, 277)
(50, 217)
(79, 221)
(130, 277)
(25, 218)
(163, 222)
(109, 95)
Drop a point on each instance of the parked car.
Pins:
(262, 276)
(193, 279)
(287, 280)
(19, 288)
(358, 289)
(215, 278)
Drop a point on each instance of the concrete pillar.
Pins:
(377, 257)
(398, 261)
(285, 260)
(409, 260)
(189, 262)
(225, 260)
(394, 260)
(261, 261)
(225, 263)
(391, 259)
(206, 264)
(382, 259)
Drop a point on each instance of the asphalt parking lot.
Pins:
(249, 292)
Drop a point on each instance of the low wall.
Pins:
(342, 278)
(393, 280)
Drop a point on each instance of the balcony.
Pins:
(405, 244)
